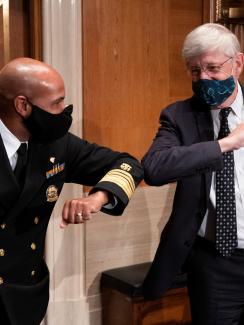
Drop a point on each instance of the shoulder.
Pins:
(67, 143)
(66, 140)
(178, 108)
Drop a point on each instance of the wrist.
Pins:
(103, 197)
(227, 144)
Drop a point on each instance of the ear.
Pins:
(22, 106)
(239, 62)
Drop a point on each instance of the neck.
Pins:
(16, 127)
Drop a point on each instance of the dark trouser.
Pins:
(216, 286)
(4, 320)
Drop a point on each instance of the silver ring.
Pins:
(79, 215)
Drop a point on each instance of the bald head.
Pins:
(27, 77)
(25, 82)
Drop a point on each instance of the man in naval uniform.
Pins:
(37, 156)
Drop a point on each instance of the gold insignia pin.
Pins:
(126, 167)
(52, 159)
(52, 193)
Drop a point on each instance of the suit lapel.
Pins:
(9, 188)
(35, 177)
(204, 124)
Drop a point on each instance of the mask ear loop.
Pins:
(231, 73)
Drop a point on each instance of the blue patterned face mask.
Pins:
(214, 92)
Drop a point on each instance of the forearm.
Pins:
(171, 164)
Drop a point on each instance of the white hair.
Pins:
(210, 37)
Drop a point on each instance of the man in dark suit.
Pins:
(39, 155)
(199, 145)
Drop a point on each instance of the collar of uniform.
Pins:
(10, 141)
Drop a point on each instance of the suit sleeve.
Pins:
(104, 169)
(170, 158)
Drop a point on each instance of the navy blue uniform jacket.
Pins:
(24, 216)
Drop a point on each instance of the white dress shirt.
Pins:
(11, 144)
(207, 229)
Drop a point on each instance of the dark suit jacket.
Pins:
(24, 216)
(184, 151)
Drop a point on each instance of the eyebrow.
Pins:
(207, 63)
(58, 100)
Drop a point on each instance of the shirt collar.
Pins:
(237, 105)
(10, 141)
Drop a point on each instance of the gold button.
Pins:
(36, 220)
(3, 225)
(2, 252)
(33, 246)
(33, 272)
(1, 280)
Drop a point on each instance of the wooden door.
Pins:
(133, 66)
(20, 29)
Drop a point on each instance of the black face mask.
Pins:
(47, 127)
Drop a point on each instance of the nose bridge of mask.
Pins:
(69, 108)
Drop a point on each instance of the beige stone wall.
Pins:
(77, 256)
(120, 241)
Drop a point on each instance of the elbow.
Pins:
(150, 173)
(154, 177)
(151, 180)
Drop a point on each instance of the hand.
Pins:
(234, 140)
(79, 210)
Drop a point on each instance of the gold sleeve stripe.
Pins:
(121, 178)
(126, 175)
